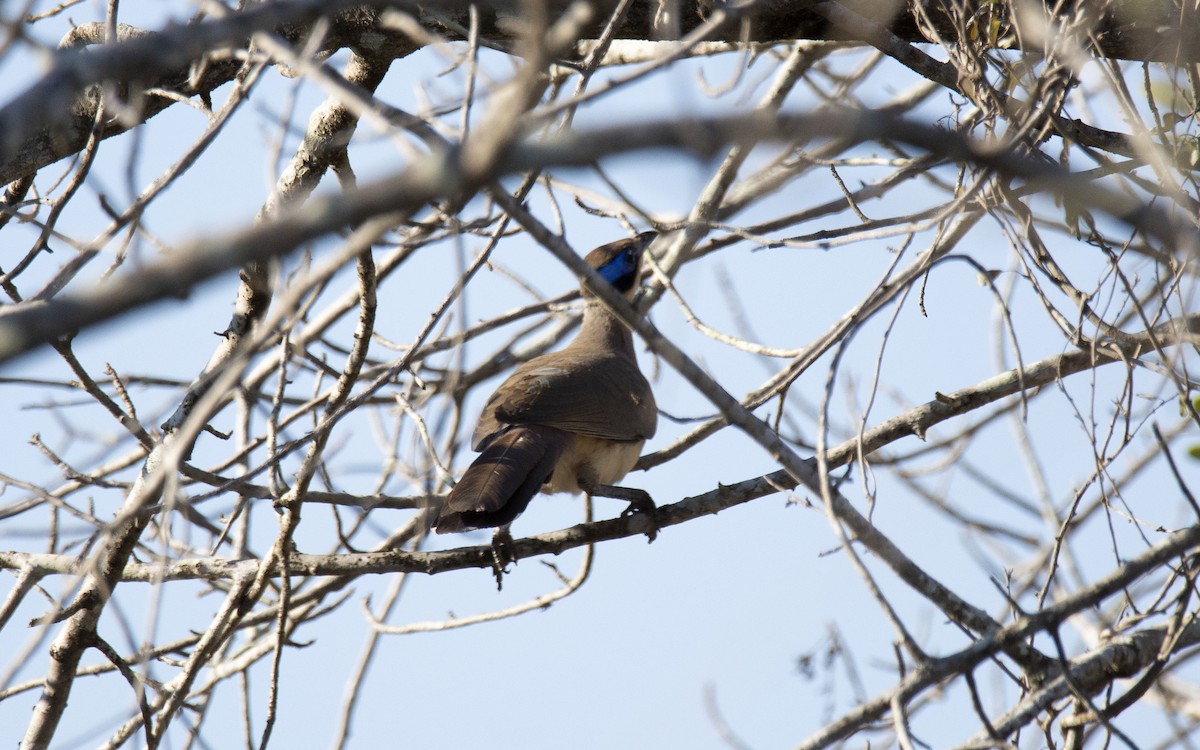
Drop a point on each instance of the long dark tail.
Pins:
(498, 486)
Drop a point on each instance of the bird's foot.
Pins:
(502, 554)
(640, 503)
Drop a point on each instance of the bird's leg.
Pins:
(502, 554)
(639, 501)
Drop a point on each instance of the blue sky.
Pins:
(729, 604)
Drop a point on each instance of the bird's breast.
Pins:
(607, 462)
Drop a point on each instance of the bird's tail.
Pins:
(501, 482)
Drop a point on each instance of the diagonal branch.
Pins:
(447, 174)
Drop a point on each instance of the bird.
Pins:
(573, 420)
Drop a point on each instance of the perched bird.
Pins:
(570, 421)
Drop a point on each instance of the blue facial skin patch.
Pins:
(621, 270)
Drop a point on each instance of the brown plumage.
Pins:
(569, 421)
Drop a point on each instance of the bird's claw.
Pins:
(642, 504)
(502, 554)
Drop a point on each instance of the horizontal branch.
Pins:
(1154, 30)
(482, 556)
(53, 117)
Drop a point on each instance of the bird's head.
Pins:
(620, 263)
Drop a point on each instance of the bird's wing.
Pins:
(603, 397)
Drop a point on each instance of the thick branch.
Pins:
(52, 117)
(1123, 656)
